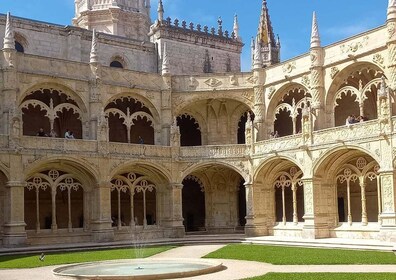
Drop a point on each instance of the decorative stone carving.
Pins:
(213, 82)
(333, 72)
(305, 80)
(289, 67)
(378, 59)
(233, 80)
(354, 46)
(271, 92)
(252, 80)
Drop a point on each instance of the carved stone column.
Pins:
(14, 216)
(388, 195)
(250, 225)
(259, 112)
(364, 202)
(309, 230)
(101, 214)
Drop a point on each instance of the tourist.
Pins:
(276, 135)
(41, 133)
(141, 141)
(71, 135)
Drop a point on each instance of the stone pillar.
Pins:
(14, 216)
(259, 112)
(173, 221)
(388, 198)
(101, 217)
(309, 209)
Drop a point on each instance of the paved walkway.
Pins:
(235, 269)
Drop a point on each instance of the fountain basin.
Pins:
(139, 269)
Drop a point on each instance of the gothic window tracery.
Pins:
(288, 112)
(50, 108)
(289, 196)
(358, 192)
(357, 95)
(130, 121)
(54, 200)
(133, 200)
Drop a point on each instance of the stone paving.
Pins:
(235, 269)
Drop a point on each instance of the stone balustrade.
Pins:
(356, 132)
(215, 152)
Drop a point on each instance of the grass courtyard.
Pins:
(301, 256)
(326, 276)
(31, 261)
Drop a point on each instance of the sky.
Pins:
(291, 19)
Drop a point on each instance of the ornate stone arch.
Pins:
(22, 39)
(191, 169)
(187, 100)
(64, 89)
(280, 93)
(158, 173)
(122, 59)
(358, 83)
(331, 155)
(270, 163)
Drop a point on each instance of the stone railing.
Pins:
(353, 132)
(225, 151)
(58, 144)
(139, 150)
(278, 144)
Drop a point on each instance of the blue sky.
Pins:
(291, 19)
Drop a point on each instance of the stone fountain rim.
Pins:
(215, 266)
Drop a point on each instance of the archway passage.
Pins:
(190, 134)
(288, 112)
(213, 200)
(349, 179)
(354, 99)
(193, 197)
(54, 199)
(242, 126)
(212, 122)
(279, 197)
(130, 121)
(49, 108)
(133, 200)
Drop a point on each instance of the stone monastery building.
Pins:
(171, 137)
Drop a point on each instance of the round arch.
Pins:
(282, 91)
(82, 169)
(196, 167)
(146, 102)
(268, 161)
(332, 153)
(59, 87)
(220, 95)
(159, 173)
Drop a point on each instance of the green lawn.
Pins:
(300, 256)
(29, 261)
(326, 276)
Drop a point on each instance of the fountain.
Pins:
(139, 269)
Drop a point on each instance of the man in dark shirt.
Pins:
(41, 133)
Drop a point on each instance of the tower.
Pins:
(127, 18)
(270, 47)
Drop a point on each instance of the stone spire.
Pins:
(315, 38)
(391, 10)
(165, 62)
(94, 49)
(160, 11)
(266, 38)
(236, 27)
(9, 41)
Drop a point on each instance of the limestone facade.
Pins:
(175, 142)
